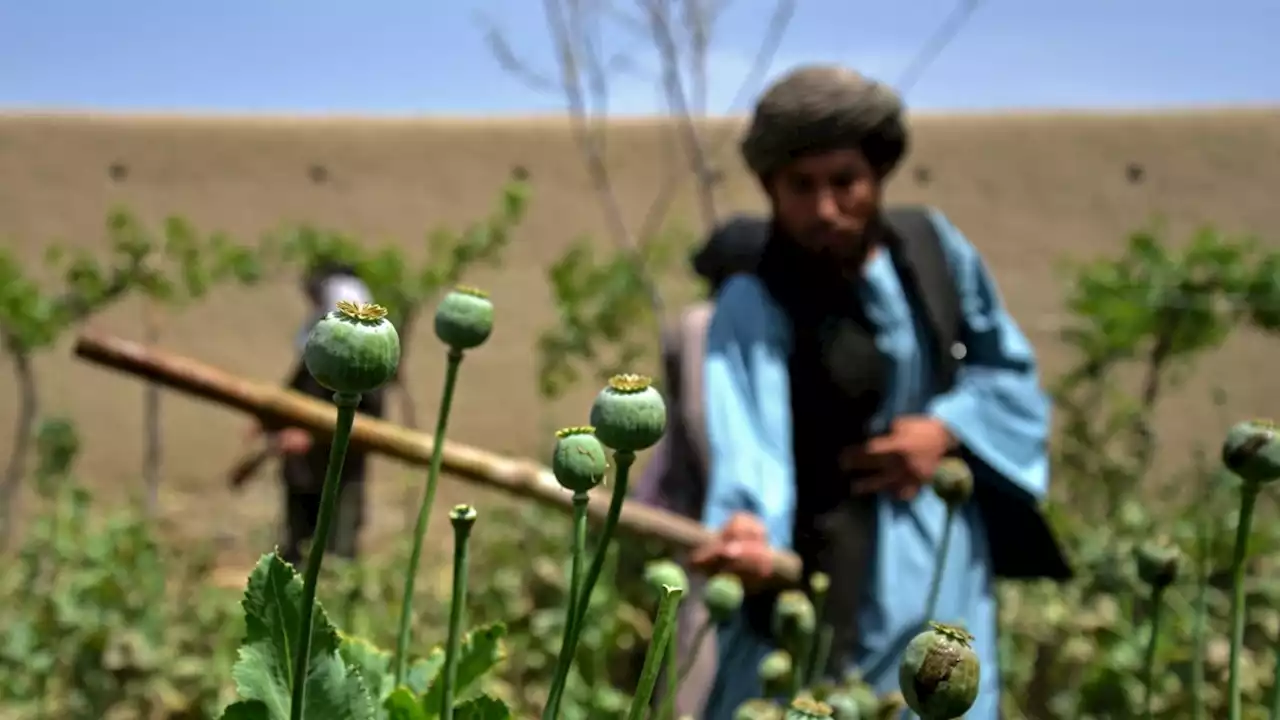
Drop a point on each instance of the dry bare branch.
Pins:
(673, 86)
(510, 62)
(779, 20)
(585, 68)
(937, 42)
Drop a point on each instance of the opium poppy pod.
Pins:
(464, 318)
(757, 709)
(665, 573)
(808, 709)
(794, 615)
(775, 671)
(354, 349)
(579, 461)
(1158, 562)
(953, 482)
(1252, 451)
(939, 673)
(723, 596)
(629, 414)
(854, 702)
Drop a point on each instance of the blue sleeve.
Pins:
(997, 409)
(747, 396)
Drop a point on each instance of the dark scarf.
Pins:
(837, 381)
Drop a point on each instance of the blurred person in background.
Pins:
(869, 344)
(305, 457)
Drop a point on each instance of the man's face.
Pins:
(827, 201)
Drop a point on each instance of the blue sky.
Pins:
(430, 56)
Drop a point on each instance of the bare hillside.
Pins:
(1028, 190)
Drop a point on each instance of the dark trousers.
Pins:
(302, 511)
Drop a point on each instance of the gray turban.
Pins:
(817, 108)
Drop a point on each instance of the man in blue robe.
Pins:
(826, 417)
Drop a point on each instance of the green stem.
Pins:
(1275, 684)
(659, 644)
(457, 610)
(940, 564)
(580, 500)
(347, 403)
(673, 679)
(424, 514)
(798, 668)
(1199, 629)
(622, 461)
(1248, 497)
(579, 549)
(811, 666)
(1149, 664)
(822, 650)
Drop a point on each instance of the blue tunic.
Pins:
(996, 409)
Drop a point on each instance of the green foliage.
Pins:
(273, 604)
(397, 284)
(101, 621)
(1076, 651)
(522, 556)
(179, 265)
(349, 676)
(605, 309)
(1155, 310)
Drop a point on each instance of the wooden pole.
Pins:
(518, 477)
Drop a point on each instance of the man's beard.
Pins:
(843, 250)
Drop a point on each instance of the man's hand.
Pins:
(293, 441)
(904, 460)
(741, 548)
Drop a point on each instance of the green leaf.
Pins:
(482, 707)
(480, 652)
(424, 672)
(372, 663)
(246, 710)
(402, 704)
(272, 608)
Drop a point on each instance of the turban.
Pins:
(817, 108)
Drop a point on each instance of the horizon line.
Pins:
(548, 117)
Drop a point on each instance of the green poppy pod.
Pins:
(853, 703)
(953, 482)
(793, 616)
(579, 461)
(353, 350)
(629, 414)
(775, 672)
(723, 596)
(1158, 563)
(464, 318)
(758, 709)
(808, 709)
(665, 573)
(939, 673)
(1252, 451)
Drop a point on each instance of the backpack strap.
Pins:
(921, 263)
(1022, 544)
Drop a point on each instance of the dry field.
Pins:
(1028, 190)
